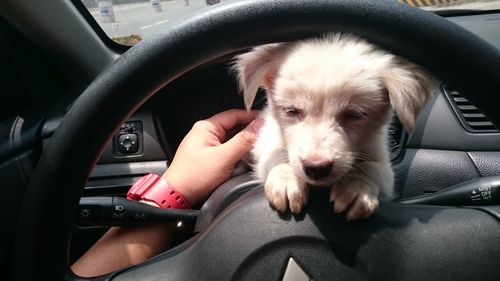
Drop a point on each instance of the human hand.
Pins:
(205, 158)
(208, 154)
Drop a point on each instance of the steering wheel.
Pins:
(248, 240)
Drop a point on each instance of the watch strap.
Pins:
(155, 189)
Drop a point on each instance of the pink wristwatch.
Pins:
(153, 188)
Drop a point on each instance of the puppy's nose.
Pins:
(317, 169)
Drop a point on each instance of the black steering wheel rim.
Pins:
(43, 233)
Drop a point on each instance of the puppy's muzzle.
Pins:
(317, 169)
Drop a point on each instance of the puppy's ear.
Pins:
(258, 68)
(409, 87)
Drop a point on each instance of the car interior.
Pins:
(83, 117)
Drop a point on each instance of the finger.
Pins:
(230, 118)
(242, 142)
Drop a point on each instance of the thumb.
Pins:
(242, 142)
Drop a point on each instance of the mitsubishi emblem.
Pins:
(293, 272)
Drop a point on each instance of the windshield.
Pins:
(128, 21)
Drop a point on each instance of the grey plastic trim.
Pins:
(484, 26)
(439, 128)
(128, 169)
(61, 29)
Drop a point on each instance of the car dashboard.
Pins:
(451, 144)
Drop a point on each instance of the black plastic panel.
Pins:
(425, 171)
(20, 133)
(151, 148)
(15, 174)
(487, 163)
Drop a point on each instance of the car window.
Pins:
(128, 21)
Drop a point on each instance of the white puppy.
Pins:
(329, 105)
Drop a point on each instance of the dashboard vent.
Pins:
(396, 139)
(471, 118)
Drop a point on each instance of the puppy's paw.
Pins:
(359, 199)
(283, 189)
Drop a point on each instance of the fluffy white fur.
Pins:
(329, 104)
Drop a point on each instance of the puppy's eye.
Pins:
(292, 111)
(353, 115)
